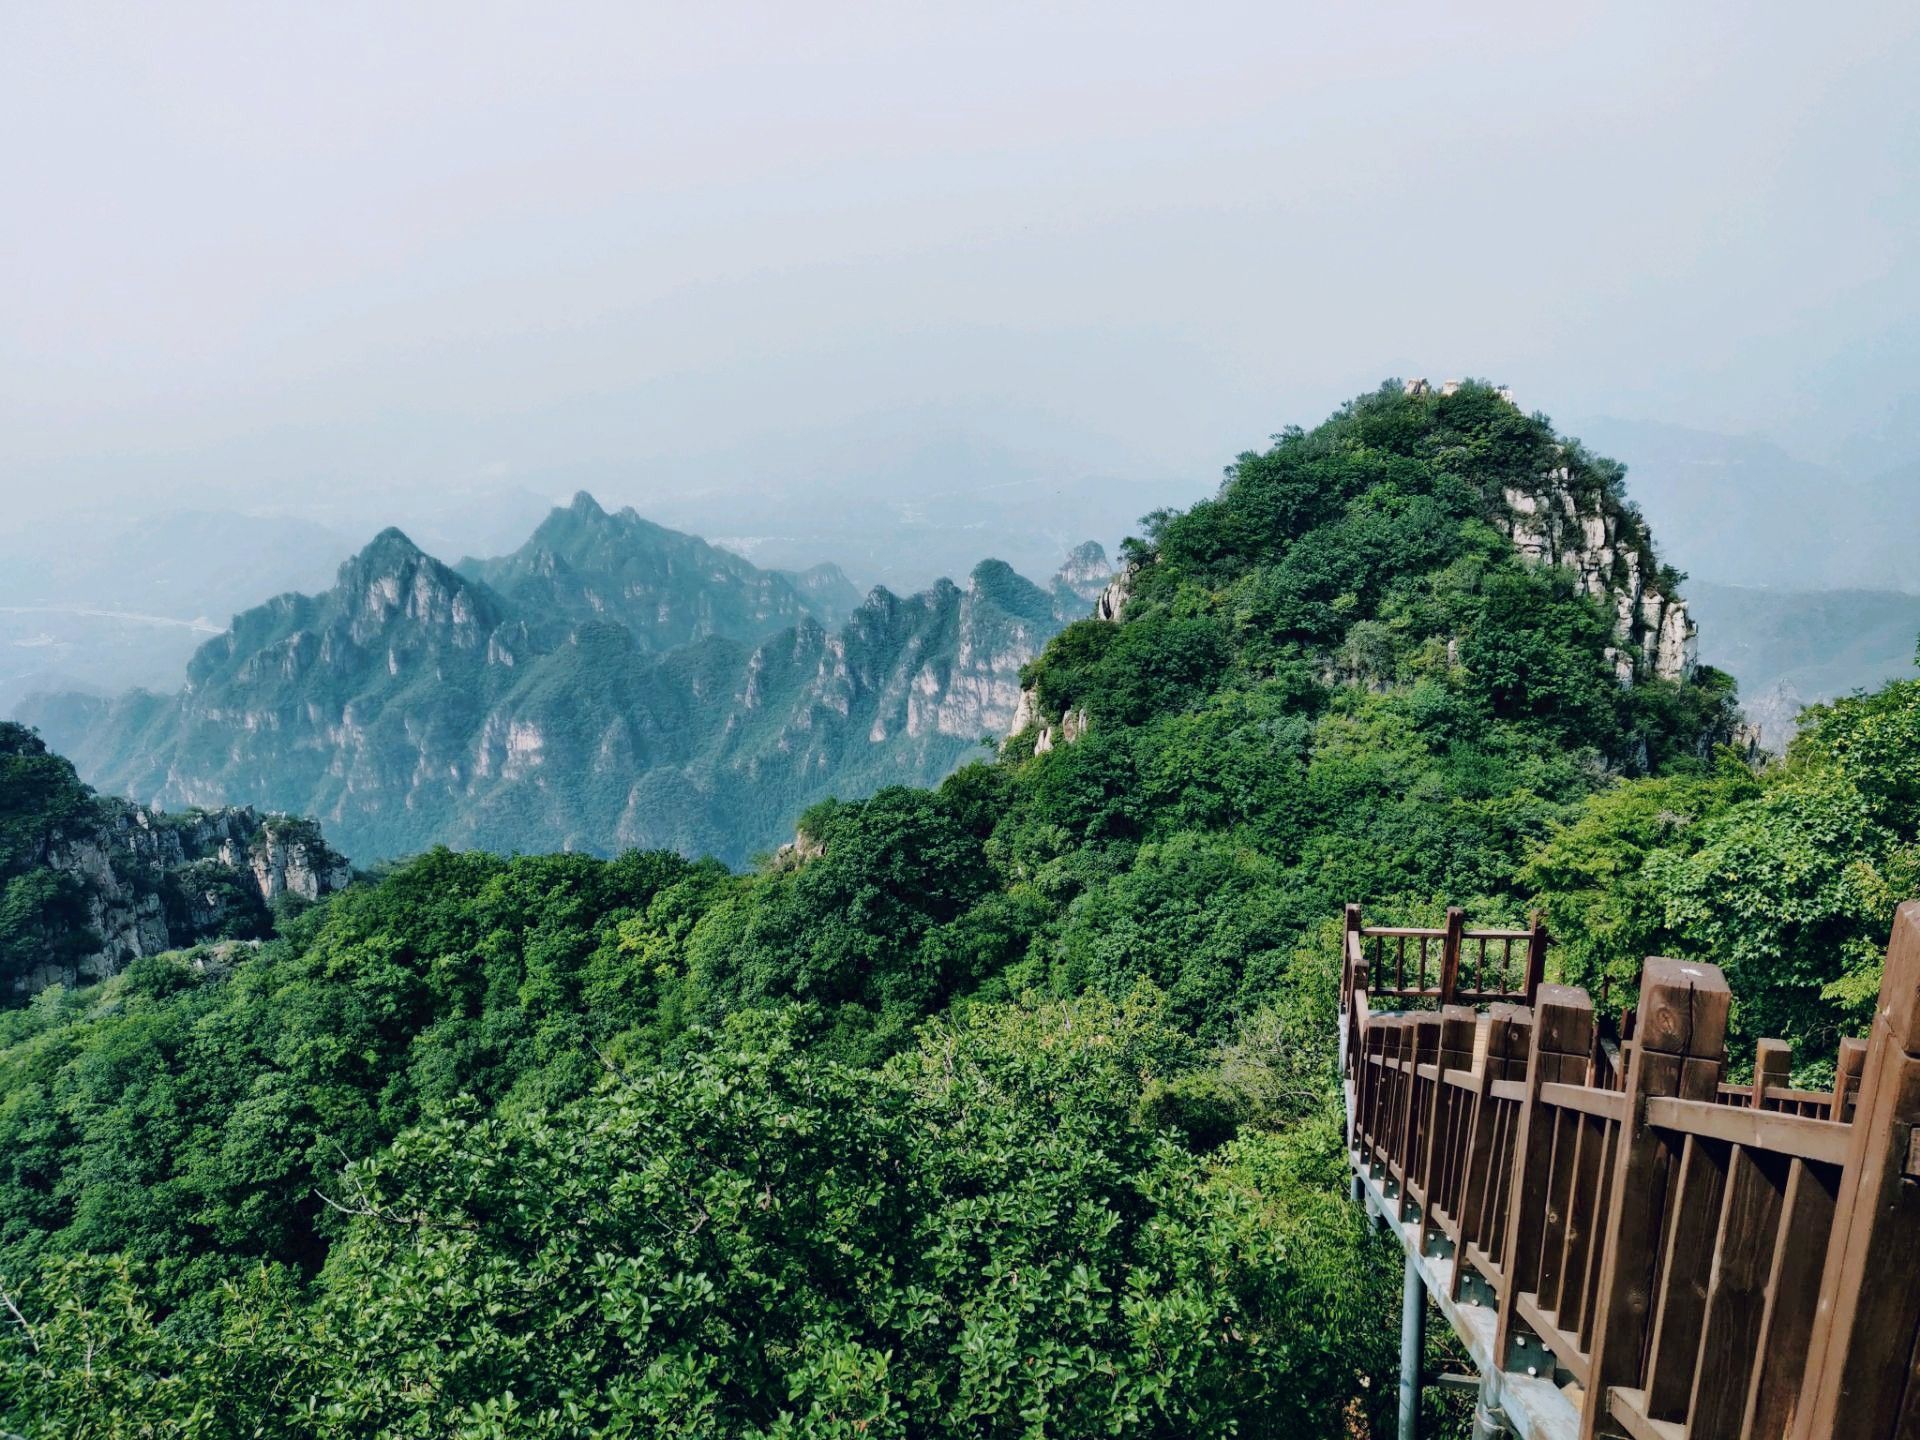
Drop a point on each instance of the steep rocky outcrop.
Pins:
(1079, 581)
(1087, 581)
(89, 882)
(609, 684)
(1111, 603)
(1573, 515)
(1607, 548)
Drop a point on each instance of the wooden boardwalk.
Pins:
(1626, 1244)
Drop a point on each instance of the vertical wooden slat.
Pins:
(1500, 1195)
(1566, 1159)
(1680, 1037)
(1499, 1186)
(1386, 1107)
(1743, 1251)
(1792, 1293)
(1456, 1053)
(1582, 1204)
(1557, 1053)
(1381, 1049)
(1453, 1050)
(1372, 1076)
(1603, 1196)
(1861, 1351)
(1846, 1077)
(1423, 1033)
(1686, 1268)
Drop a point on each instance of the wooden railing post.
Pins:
(1479, 1185)
(1772, 1064)
(1536, 956)
(1352, 958)
(1679, 1050)
(1424, 1034)
(1455, 1053)
(1450, 954)
(1860, 1381)
(1846, 1078)
(1562, 1033)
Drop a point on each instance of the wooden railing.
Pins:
(1688, 1259)
(1448, 965)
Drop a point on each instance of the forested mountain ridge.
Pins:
(89, 883)
(1001, 1105)
(668, 589)
(609, 684)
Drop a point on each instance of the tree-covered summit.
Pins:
(1379, 550)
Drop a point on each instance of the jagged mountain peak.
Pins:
(391, 578)
(391, 549)
(989, 572)
(996, 583)
(1085, 571)
(583, 565)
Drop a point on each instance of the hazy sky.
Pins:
(265, 252)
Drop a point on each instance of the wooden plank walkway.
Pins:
(1626, 1244)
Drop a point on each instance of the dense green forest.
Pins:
(1001, 1108)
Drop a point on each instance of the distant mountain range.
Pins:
(1789, 648)
(610, 683)
(1738, 510)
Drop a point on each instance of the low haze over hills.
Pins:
(1790, 648)
(1739, 510)
(99, 607)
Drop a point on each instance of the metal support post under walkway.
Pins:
(1413, 1345)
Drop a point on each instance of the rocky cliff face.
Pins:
(89, 883)
(609, 684)
(1578, 521)
(155, 882)
(1607, 548)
